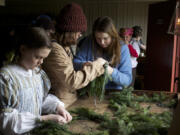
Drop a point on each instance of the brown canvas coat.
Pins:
(64, 79)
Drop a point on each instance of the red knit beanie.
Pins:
(71, 19)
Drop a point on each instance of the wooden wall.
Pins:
(124, 13)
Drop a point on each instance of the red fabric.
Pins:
(132, 51)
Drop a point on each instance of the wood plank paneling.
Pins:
(125, 13)
(2, 2)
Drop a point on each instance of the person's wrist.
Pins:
(42, 118)
(59, 108)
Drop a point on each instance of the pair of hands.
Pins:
(102, 62)
(62, 116)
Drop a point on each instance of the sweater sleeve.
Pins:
(11, 120)
(14, 122)
(59, 67)
(122, 75)
(50, 104)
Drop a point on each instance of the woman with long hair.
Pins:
(104, 42)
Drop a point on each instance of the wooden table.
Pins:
(85, 126)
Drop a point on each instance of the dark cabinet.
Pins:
(159, 54)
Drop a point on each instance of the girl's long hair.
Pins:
(105, 24)
(66, 38)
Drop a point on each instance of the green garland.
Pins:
(136, 121)
(127, 97)
(96, 88)
(51, 128)
(84, 113)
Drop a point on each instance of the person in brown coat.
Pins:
(71, 21)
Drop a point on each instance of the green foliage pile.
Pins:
(86, 114)
(139, 121)
(127, 97)
(51, 128)
(96, 88)
(129, 118)
(123, 123)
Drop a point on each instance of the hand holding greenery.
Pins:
(96, 88)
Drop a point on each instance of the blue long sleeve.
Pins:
(83, 54)
(122, 73)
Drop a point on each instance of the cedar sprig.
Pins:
(96, 88)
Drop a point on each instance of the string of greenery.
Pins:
(96, 88)
(53, 128)
(129, 118)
